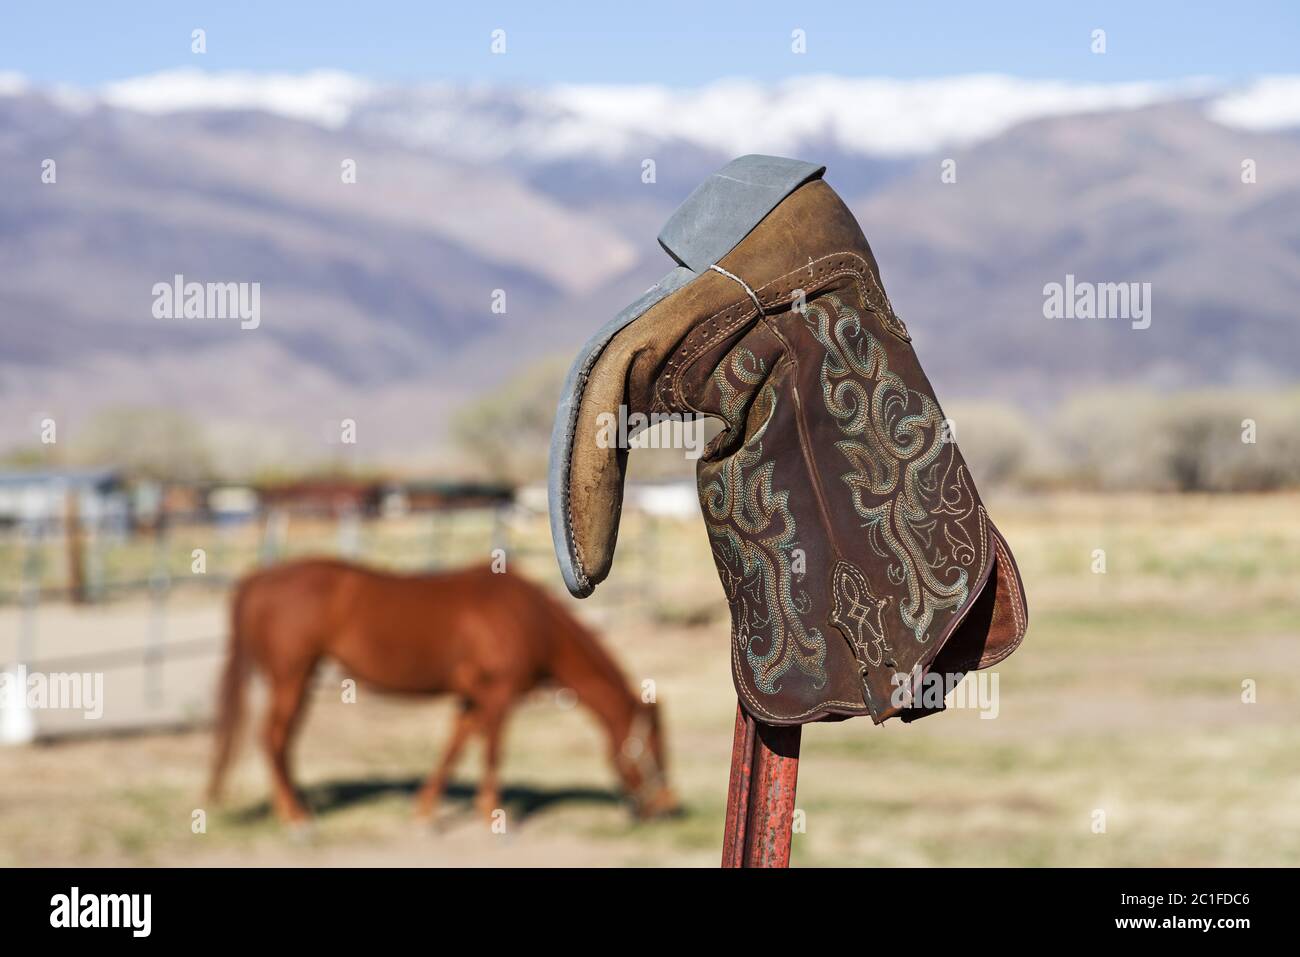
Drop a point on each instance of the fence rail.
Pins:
(81, 567)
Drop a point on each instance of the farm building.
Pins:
(44, 498)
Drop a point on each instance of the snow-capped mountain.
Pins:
(864, 116)
(378, 294)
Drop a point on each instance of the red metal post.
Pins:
(760, 797)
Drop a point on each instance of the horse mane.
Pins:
(567, 629)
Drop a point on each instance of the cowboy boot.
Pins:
(854, 550)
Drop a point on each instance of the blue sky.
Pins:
(86, 43)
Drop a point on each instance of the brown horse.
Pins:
(486, 638)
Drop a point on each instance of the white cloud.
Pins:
(868, 116)
(875, 116)
(1270, 103)
(12, 84)
(324, 97)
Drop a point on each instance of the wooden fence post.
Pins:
(75, 551)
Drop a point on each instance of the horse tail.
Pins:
(230, 692)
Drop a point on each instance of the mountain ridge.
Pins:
(379, 295)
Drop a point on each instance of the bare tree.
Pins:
(150, 442)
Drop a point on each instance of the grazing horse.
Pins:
(486, 638)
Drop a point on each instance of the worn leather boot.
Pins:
(852, 545)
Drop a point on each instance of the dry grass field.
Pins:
(1126, 698)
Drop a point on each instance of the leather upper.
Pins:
(852, 545)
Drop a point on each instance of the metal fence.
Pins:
(95, 570)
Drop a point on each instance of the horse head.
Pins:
(642, 767)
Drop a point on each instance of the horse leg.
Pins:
(431, 793)
(489, 791)
(287, 694)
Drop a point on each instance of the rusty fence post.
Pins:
(760, 796)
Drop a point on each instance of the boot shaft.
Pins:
(853, 547)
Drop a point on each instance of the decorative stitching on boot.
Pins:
(836, 266)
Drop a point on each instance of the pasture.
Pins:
(1122, 736)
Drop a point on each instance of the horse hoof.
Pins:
(665, 804)
(425, 817)
(302, 831)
